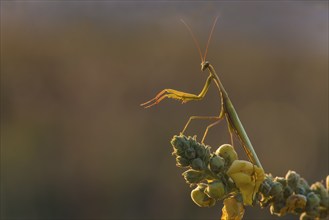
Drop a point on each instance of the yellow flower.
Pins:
(201, 199)
(232, 210)
(227, 152)
(247, 177)
(215, 190)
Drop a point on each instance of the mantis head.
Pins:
(204, 65)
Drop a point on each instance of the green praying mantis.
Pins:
(227, 109)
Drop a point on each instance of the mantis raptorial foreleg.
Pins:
(185, 97)
(178, 95)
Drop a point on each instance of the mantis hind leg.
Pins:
(199, 118)
(231, 131)
(219, 119)
(216, 118)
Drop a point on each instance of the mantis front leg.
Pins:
(178, 95)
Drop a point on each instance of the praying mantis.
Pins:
(227, 109)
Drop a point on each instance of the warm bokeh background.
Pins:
(75, 144)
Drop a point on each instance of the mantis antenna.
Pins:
(203, 58)
(212, 30)
(194, 39)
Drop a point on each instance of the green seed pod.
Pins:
(276, 189)
(227, 152)
(300, 190)
(182, 162)
(216, 163)
(303, 183)
(281, 180)
(230, 185)
(193, 176)
(191, 141)
(190, 153)
(319, 189)
(292, 178)
(302, 187)
(265, 187)
(215, 190)
(276, 207)
(287, 191)
(201, 199)
(313, 201)
(207, 154)
(197, 164)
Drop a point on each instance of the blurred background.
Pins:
(75, 144)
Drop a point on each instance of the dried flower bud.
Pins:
(227, 152)
(215, 190)
(193, 176)
(182, 162)
(197, 164)
(201, 199)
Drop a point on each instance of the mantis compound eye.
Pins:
(204, 65)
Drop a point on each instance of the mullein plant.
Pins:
(220, 176)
